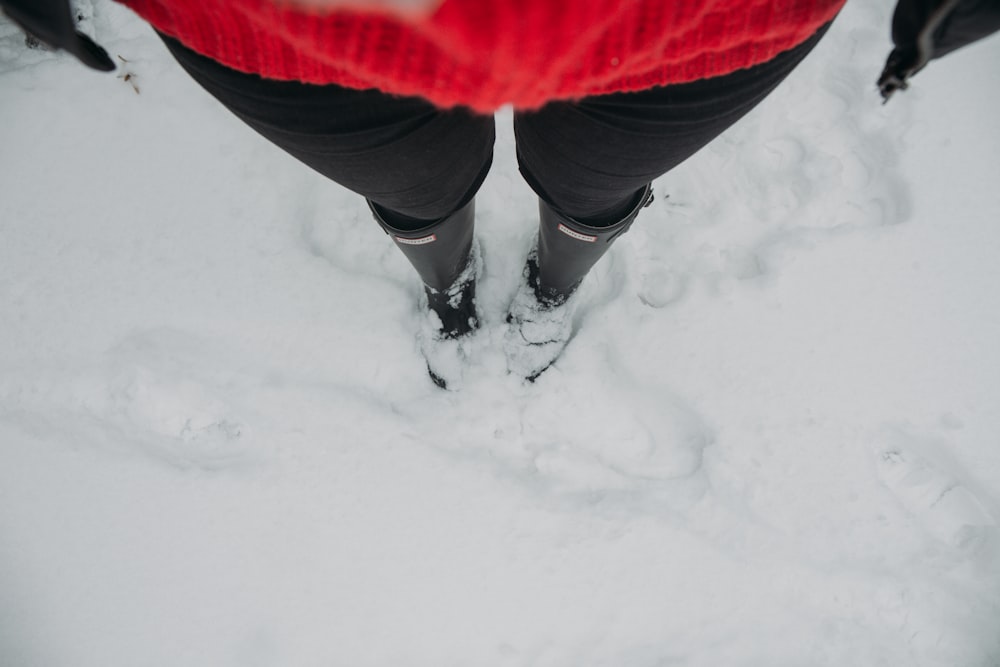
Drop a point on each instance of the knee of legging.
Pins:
(434, 172)
(579, 196)
(435, 197)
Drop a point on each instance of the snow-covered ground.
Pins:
(774, 439)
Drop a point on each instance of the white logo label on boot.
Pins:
(577, 235)
(424, 241)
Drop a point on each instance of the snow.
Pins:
(772, 440)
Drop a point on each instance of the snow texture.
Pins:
(773, 438)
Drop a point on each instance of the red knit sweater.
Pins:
(488, 53)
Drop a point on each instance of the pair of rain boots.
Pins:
(446, 256)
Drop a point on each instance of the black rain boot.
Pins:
(446, 259)
(540, 316)
(568, 248)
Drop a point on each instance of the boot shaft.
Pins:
(569, 248)
(438, 251)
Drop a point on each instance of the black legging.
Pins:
(586, 158)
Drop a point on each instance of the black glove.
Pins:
(927, 29)
(51, 21)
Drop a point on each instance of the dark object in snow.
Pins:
(51, 22)
(130, 78)
(923, 30)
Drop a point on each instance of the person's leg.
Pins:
(588, 161)
(418, 166)
(591, 163)
(409, 157)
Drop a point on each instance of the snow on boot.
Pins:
(451, 319)
(448, 263)
(538, 328)
(540, 318)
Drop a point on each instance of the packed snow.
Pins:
(773, 439)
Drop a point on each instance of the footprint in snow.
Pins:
(171, 393)
(625, 438)
(947, 509)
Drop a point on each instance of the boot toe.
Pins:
(536, 333)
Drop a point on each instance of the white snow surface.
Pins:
(774, 438)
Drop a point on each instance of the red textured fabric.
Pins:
(485, 54)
